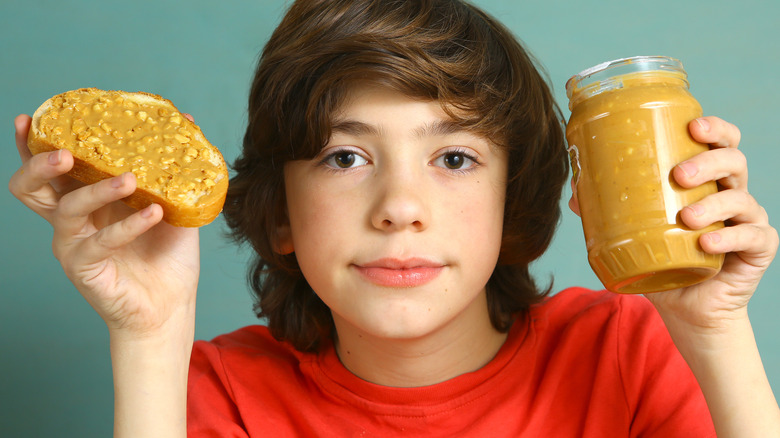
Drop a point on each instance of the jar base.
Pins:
(661, 281)
(664, 258)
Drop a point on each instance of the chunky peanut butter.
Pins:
(153, 142)
(625, 141)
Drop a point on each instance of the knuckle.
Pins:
(38, 164)
(774, 239)
(58, 249)
(65, 208)
(762, 213)
(767, 237)
(14, 185)
(102, 239)
(737, 134)
(58, 254)
(55, 249)
(746, 201)
(59, 216)
(740, 160)
(749, 203)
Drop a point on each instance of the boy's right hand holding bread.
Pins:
(137, 271)
(131, 266)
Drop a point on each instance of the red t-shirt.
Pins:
(585, 364)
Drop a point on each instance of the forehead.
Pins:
(371, 109)
(365, 101)
(361, 95)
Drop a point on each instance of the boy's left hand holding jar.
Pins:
(709, 321)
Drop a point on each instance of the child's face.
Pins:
(397, 223)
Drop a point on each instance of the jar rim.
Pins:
(601, 73)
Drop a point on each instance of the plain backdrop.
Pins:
(55, 375)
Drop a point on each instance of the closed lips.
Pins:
(398, 273)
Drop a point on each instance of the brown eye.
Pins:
(344, 159)
(454, 161)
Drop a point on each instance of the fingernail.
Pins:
(714, 237)
(690, 169)
(146, 212)
(704, 124)
(55, 157)
(118, 181)
(697, 209)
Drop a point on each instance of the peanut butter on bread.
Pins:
(112, 132)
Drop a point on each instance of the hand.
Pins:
(136, 271)
(748, 241)
(708, 322)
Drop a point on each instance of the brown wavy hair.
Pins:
(443, 50)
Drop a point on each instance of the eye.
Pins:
(344, 159)
(455, 160)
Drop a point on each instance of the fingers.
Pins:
(735, 206)
(714, 131)
(749, 232)
(22, 125)
(40, 179)
(99, 246)
(725, 165)
(125, 231)
(85, 260)
(31, 183)
(75, 208)
(755, 243)
(75, 227)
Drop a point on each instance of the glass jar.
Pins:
(628, 130)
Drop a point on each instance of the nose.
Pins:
(400, 203)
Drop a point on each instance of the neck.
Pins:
(456, 348)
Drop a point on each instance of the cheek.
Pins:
(311, 243)
(321, 227)
(310, 224)
(481, 219)
(490, 201)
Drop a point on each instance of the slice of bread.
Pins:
(112, 132)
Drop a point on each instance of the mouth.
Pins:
(397, 273)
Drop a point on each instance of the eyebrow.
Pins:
(439, 128)
(433, 129)
(355, 128)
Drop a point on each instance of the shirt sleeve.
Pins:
(659, 386)
(211, 408)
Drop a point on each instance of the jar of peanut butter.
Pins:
(628, 130)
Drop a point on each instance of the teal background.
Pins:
(54, 364)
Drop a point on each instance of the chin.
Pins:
(401, 324)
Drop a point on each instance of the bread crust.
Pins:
(177, 212)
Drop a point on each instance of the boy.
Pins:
(401, 168)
